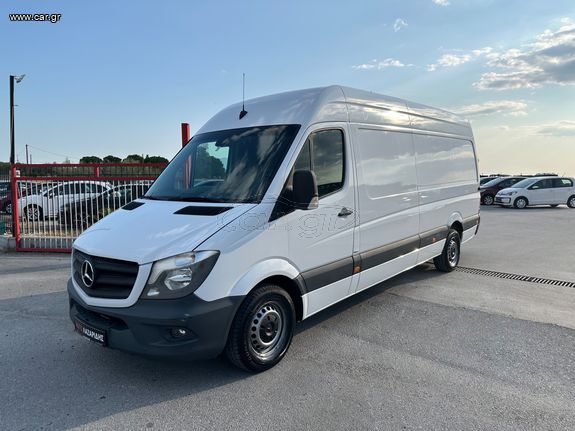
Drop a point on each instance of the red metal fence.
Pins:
(57, 202)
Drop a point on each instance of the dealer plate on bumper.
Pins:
(89, 332)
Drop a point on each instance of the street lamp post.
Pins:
(13, 79)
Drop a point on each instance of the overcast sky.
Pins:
(118, 77)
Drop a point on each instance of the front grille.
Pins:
(113, 278)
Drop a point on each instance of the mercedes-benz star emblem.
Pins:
(87, 273)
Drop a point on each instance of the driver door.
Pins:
(320, 240)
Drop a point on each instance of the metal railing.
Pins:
(57, 202)
(5, 203)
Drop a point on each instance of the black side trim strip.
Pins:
(315, 278)
(202, 211)
(380, 255)
(470, 222)
(327, 274)
(132, 206)
(432, 236)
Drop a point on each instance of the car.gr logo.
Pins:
(87, 273)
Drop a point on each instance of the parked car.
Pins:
(490, 189)
(49, 202)
(484, 180)
(552, 191)
(85, 212)
(26, 189)
(297, 218)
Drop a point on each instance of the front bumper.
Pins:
(145, 327)
(504, 200)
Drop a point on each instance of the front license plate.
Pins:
(91, 333)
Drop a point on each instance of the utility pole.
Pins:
(13, 79)
(27, 158)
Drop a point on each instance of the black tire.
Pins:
(252, 346)
(449, 258)
(33, 213)
(488, 200)
(571, 202)
(521, 203)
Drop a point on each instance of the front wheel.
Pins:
(262, 329)
(520, 203)
(33, 213)
(449, 258)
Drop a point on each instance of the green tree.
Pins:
(112, 159)
(134, 158)
(90, 159)
(155, 159)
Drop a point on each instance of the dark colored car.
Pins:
(491, 188)
(484, 180)
(88, 211)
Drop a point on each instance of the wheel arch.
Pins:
(276, 271)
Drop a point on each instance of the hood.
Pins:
(152, 231)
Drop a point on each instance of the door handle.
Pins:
(345, 212)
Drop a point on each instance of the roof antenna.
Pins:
(243, 113)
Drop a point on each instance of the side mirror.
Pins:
(534, 188)
(305, 194)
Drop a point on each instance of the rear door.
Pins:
(563, 189)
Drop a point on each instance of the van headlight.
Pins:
(179, 275)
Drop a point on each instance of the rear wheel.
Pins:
(571, 202)
(520, 203)
(488, 200)
(262, 329)
(449, 258)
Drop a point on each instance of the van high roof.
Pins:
(337, 103)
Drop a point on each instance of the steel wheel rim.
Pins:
(521, 203)
(453, 252)
(267, 331)
(488, 200)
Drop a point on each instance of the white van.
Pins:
(269, 215)
(552, 191)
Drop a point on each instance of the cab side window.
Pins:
(542, 184)
(323, 153)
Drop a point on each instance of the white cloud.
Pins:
(549, 59)
(383, 64)
(441, 2)
(457, 59)
(559, 129)
(514, 108)
(399, 24)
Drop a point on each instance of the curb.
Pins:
(7, 243)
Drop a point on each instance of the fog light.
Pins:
(179, 332)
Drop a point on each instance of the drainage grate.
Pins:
(517, 277)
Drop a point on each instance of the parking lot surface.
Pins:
(424, 350)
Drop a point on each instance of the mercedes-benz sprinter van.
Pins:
(271, 213)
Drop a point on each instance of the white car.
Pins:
(49, 202)
(539, 191)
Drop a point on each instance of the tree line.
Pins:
(132, 158)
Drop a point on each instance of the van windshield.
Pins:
(234, 165)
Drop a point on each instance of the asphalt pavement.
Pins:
(422, 351)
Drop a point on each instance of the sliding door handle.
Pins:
(345, 212)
